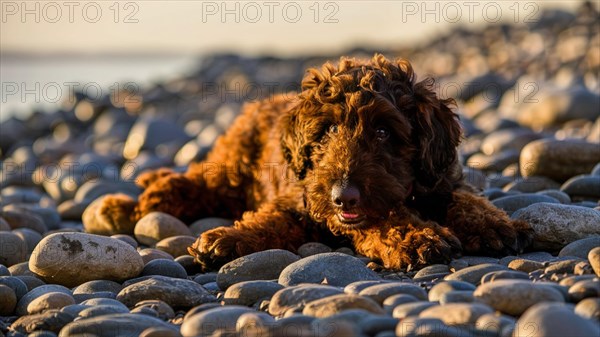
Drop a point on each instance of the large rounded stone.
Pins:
(175, 292)
(332, 305)
(582, 187)
(13, 249)
(157, 226)
(558, 160)
(296, 297)
(19, 219)
(474, 274)
(52, 300)
(513, 297)
(8, 300)
(71, 259)
(556, 225)
(594, 258)
(580, 248)
(380, 292)
(122, 325)
(457, 313)
(512, 203)
(205, 323)
(554, 319)
(249, 292)
(24, 302)
(265, 265)
(335, 269)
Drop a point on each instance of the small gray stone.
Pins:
(13, 249)
(562, 197)
(296, 297)
(335, 304)
(17, 285)
(149, 254)
(558, 160)
(556, 225)
(438, 290)
(162, 309)
(554, 319)
(358, 286)
(164, 267)
(584, 289)
(19, 219)
(265, 265)
(175, 292)
(417, 326)
(29, 236)
(23, 303)
(156, 226)
(8, 300)
(594, 258)
(583, 186)
(580, 248)
(312, 248)
(589, 308)
(495, 162)
(474, 274)
(207, 322)
(512, 203)
(494, 323)
(457, 313)
(524, 265)
(513, 297)
(431, 270)
(336, 269)
(51, 320)
(531, 185)
(504, 275)
(393, 301)
(48, 301)
(457, 296)
(561, 267)
(176, 245)
(203, 225)
(411, 309)
(102, 310)
(91, 287)
(249, 292)
(380, 292)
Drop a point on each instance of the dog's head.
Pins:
(365, 137)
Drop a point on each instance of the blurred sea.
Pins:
(41, 82)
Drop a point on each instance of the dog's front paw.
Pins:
(505, 237)
(216, 247)
(421, 246)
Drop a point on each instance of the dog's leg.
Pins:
(484, 229)
(407, 242)
(275, 225)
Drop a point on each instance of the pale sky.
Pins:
(280, 27)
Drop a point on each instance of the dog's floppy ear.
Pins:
(294, 145)
(436, 133)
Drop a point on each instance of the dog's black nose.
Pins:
(346, 196)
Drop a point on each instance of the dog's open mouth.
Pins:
(351, 218)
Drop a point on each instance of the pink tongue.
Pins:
(349, 215)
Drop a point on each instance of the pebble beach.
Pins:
(528, 96)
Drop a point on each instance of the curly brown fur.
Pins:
(364, 152)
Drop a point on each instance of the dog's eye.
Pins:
(333, 128)
(382, 133)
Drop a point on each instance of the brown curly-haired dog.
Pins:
(364, 152)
